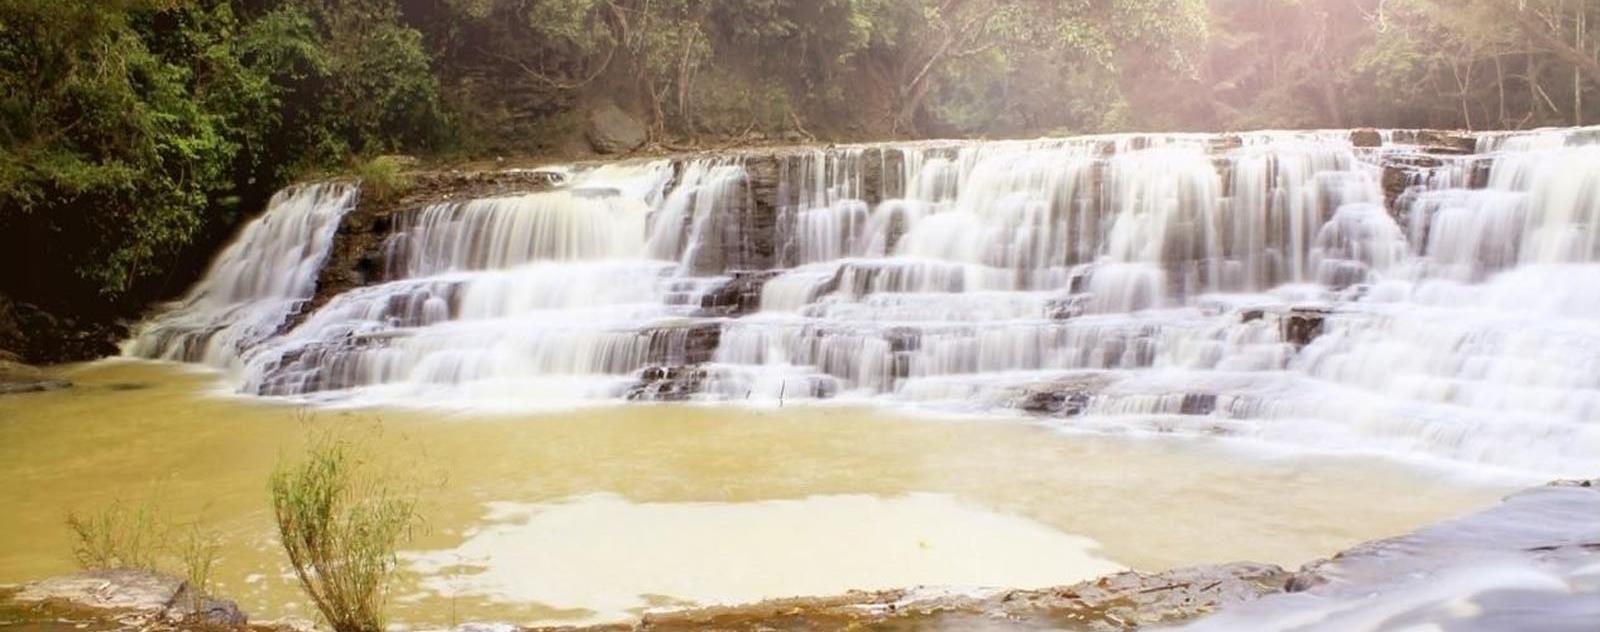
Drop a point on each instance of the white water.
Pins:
(254, 285)
(1152, 282)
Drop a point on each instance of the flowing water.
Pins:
(1255, 330)
(596, 513)
(1275, 286)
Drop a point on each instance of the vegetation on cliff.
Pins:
(135, 134)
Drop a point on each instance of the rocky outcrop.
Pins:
(1067, 396)
(37, 336)
(740, 295)
(1122, 601)
(612, 131)
(1527, 564)
(667, 384)
(1367, 137)
(139, 599)
(358, 258)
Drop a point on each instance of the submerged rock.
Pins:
(16, 377)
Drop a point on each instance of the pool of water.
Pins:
(598, 513)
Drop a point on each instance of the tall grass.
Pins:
(197, 551)
(117, 536)
(341, 524)
(383, 178)
(120, 536)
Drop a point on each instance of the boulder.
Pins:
(147, 596)
(612, 131)
(1366, 138)
(133, 590)
(1303, 324)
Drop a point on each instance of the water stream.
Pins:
(1266, 286)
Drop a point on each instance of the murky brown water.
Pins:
(599, 512)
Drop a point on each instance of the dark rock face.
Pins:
(37, 336)
(359, 256)
(739, 296)
(693, 343)
(1303, 324)
(667, 384)
(1366, 138)
(1065, 397)
(612, 131)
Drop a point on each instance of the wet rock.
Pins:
(1443, 142)
(1303, 324)
(16, 377)
(1397, 180)
(36, 335)
(1525, 564)
(1226, 142)
(1366, 138)
(612, 131)
(903, 339)
(684, 344)
(1065, 397)
(1121, 601)
(195, 608)
(1066, 308)
(740, 296)
(667, 384)
(114, 589)
(360, 254)
(1197, 404)
(133, 599)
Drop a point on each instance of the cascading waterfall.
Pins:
(254, 285)
(1284, 286)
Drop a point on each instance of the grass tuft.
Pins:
(383, 178)
(116, 536)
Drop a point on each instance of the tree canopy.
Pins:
(132, 130)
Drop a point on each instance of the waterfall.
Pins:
(254, 285)
(1286, 287)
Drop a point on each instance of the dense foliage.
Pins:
(132, 130)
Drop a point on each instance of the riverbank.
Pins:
(1554, 530)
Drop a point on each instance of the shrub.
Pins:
(383, 178)
(341, 526)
